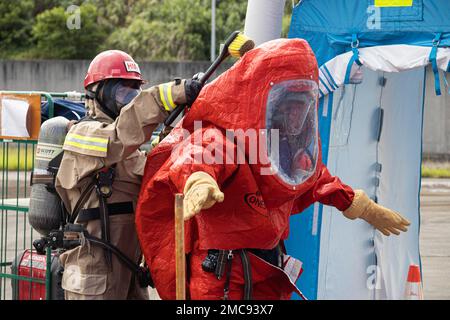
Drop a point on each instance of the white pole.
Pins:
(264, 20)
(213, 30)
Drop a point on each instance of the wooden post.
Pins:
(180, 258)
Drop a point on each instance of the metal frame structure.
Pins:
(15, 165)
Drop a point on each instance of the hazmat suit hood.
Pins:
(241, 99)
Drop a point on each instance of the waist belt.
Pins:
(113, 209)
(219, 261)
(272, 256)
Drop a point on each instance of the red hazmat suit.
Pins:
(257, 206)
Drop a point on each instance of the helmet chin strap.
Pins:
(90, 94)
(90, 91)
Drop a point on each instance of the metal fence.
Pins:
(32, 281)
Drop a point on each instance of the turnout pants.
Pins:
(87, 275)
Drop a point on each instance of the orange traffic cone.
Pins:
(414, 289)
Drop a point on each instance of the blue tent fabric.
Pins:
(65, 108)
(328, 25)
(331, 27)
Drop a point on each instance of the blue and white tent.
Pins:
(372, 56)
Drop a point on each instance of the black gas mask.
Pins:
(114, 94)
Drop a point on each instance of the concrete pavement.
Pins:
(435, 238)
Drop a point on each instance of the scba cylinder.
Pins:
(45, 206)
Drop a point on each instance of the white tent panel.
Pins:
(264, 19)
(352, 253)
(347, 246)
(400, 154)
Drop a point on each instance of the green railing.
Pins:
(16, 234)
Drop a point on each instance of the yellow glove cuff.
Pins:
(361, 202)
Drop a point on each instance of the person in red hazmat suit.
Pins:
(246, 156)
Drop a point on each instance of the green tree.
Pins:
(119, 13)
(55, 40)
(147, 29)
(15, 27)
(286, 18)
(230, 16)
(176, 29)
(43, 5)
(165, 30)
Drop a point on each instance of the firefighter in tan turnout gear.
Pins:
(101, 170)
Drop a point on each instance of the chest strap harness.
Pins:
(71, 235)
(103, 187)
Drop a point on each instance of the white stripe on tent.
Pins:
(329, 76)
(325, 106)
(315, 218)
(393, 58)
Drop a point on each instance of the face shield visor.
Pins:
(291, 120)
(114, 94)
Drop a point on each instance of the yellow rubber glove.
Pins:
(200, 192)
(381, 218)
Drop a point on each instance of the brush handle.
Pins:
(180, 258)
(212, 68)
(222, 56)
(173, 115)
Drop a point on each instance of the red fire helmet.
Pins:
(112, 64)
